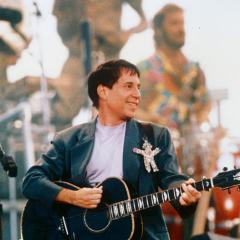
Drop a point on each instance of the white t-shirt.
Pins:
(107, 156)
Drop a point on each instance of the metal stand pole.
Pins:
(43, 79)
(1, 211)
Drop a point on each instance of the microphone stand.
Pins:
(10, 167)
(43, 78)
(1, 211)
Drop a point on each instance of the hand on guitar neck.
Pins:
(190, 194)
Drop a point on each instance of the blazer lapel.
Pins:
(131, 161)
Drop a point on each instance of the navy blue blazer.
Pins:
(70, 152)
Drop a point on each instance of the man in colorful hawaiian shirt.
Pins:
(174, 93)
(173, 88)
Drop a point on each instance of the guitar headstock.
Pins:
(227, 179)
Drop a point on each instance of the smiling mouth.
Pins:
(133, 104)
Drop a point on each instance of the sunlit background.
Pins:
(212, 39)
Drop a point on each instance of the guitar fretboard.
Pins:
(127, 207)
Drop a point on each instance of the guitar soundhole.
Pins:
(97, 220)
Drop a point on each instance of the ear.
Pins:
(102, 91)
(158, 34)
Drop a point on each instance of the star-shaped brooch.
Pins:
(148, 156)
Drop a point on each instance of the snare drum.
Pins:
(227, 208)
(173, 221)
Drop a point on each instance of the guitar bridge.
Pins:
(63, 227)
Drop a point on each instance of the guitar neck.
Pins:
(125, 208)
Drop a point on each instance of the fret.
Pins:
(111, 212)
(177, 192)
(211, 181)
(155, 199)
(202, 185)
(168, 196)
(174, 194)
(134, 205)
(121, 209)
(140, 203)
(164, 196)
(150, 200)
(181, 192)
(159, 197)
(115, 211)
(128, 207)
(147, 201)
(207, 184)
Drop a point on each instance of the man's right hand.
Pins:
(84, 197)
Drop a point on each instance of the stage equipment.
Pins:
(8, 163)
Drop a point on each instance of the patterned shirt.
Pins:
(174, 98)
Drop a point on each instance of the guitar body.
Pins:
(74, 223)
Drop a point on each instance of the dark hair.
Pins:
(107, 74)
(161, 14)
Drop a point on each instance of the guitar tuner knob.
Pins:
(229, 191)
(238, 188)
(225, 169)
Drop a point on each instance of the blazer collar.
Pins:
(87, 132)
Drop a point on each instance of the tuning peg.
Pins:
(229, 191)
(238, 188)
(225, 169)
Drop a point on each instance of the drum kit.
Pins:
(198, 155)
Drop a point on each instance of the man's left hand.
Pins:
(190, 195)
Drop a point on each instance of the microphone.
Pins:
(10, 15)
(8, 163)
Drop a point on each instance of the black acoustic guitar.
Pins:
(117, 216)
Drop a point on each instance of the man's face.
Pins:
(123, 98)
(173, 33)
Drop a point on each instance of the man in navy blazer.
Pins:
(87, 154)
